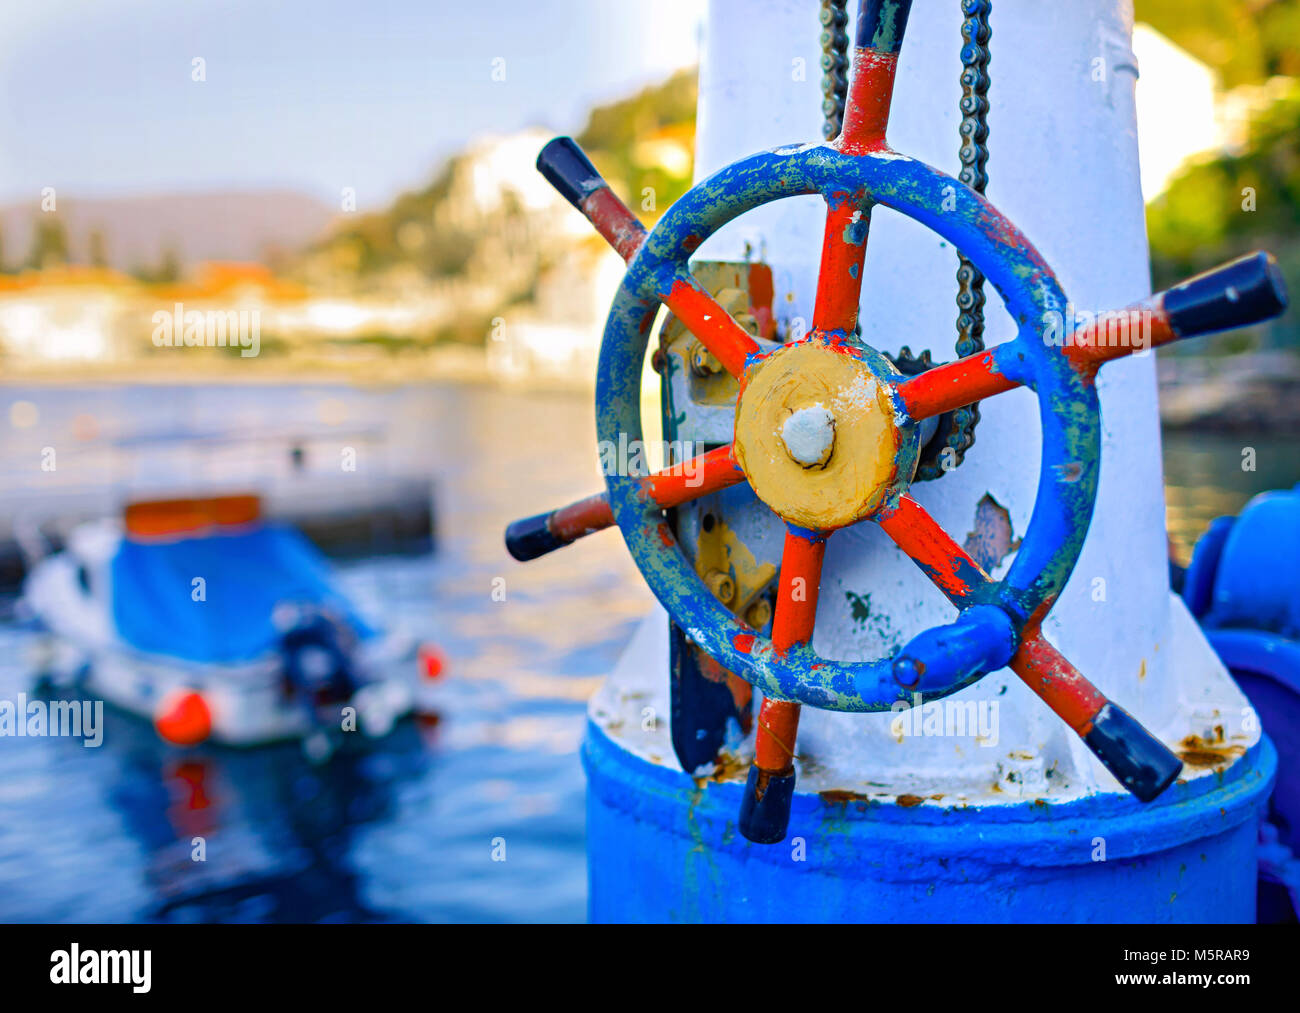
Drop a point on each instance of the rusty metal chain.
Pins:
(974, 153)
(835, 64)
(955, 431)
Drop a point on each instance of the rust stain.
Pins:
(839, 797)
(730, 768)
(909, 801)
(1196, 751)
(726, 768)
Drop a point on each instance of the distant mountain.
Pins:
(135, 232)
(488, 204)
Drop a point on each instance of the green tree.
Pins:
(165, 272)
(169, 266)
(1246, 41)
(1237, 201)
(49, 243)
(613, 135)
(98, 249)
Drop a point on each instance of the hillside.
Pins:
(487, 224)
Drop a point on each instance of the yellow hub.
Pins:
(816, 436)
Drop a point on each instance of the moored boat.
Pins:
(213, 623)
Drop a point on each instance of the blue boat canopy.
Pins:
(246, 573)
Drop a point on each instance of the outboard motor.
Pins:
(317, 651)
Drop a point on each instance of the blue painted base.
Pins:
(662, 848)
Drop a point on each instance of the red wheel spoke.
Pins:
(866, 115)
(880, 28)
(930, 547)
(1046, 671)
(707, 320)
(769, 791)
(1108, 336)
(569, 170)
(614, 221)
(1042, 668)
(801, 577)
(699, 476)
(584, 517)
(1117, 333)
(954, 385)
(839, 279)
(1137, 759)
(1237, 294)
(689, 480)
(796, 612)
(778, 725)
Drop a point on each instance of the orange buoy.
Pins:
(432, 664)
(183, 718)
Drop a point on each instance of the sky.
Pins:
(98, 97)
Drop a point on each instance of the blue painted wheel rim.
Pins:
(1068, 406)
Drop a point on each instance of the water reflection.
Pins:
(293, 826)
(1208, 475)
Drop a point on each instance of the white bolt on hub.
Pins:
(809, 435)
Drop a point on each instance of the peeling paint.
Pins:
(992, 538)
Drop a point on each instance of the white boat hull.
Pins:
(249, 703)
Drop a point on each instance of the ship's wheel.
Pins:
(827, 431)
